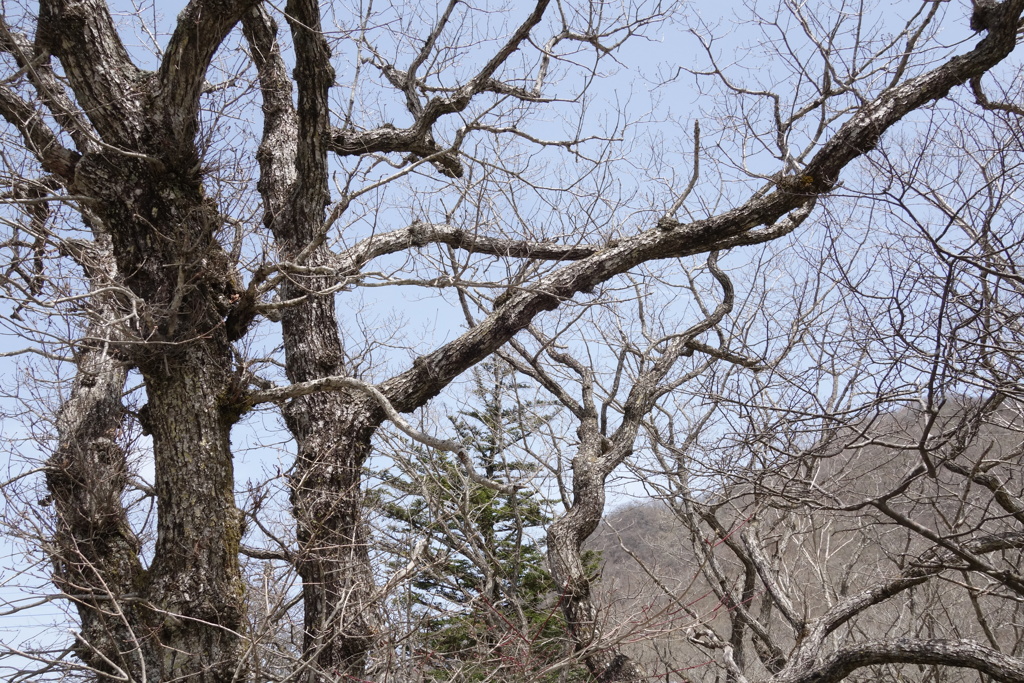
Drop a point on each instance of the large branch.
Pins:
(414, 140)
(40, 140)
(671, 239)
(347, 265)
(351, 261)
(201, 28)
(278, 146)
(432, 372)
(841, 664)
(107, 85)
(276, 154)
(758, 558)
(313, 77)
(48, 87)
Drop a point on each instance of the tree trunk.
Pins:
(195, 583)
(162, 235)
(333, 433)
(565, 555)
(95, 552)
(180, 618)
(333, 560)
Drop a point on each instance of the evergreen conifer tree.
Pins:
(485, 602)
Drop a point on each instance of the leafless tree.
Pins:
(855, 504)
(155, 244)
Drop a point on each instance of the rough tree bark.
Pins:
(137, 171)
(143, 181)
(96, 552)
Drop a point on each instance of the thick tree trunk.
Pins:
(333, 433)
(162, 234)
(95, 552)
(180, 619)
(144, 188)
(195, 584)
(337, 581)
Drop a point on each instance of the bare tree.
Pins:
(855, 504)
(152, 235)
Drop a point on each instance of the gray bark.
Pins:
(139, 170)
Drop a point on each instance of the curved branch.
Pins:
(201, 28)
(422, 234)
(985, 103)
(841, 664)
(669, 238)
(342, 383)
(927, 566)
(107, 84)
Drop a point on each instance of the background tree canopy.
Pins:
(330, 330)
